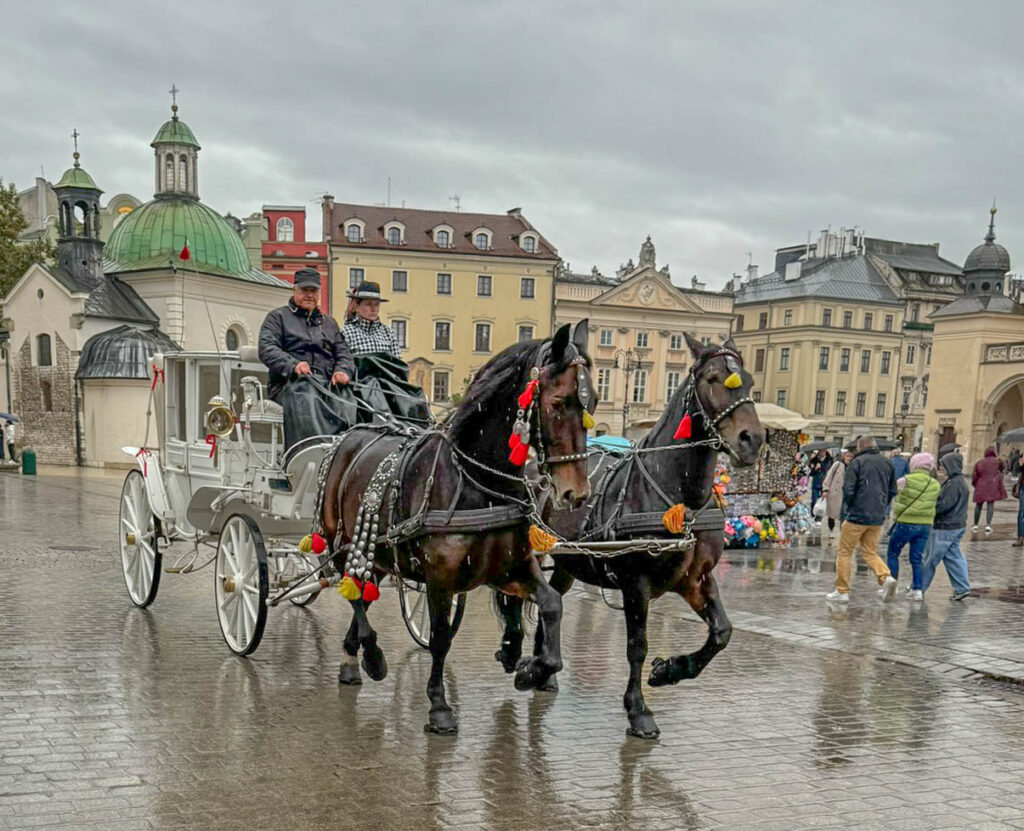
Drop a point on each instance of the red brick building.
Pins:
(286, 250)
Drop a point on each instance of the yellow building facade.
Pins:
(461, 287)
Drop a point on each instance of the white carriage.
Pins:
(219, 478)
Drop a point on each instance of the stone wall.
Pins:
(50, 432)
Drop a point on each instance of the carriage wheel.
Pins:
(416, 611)
(137, 532)
(240, 584)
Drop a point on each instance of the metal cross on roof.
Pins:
(174, 98)
(74, 135)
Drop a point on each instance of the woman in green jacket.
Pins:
(913, 512)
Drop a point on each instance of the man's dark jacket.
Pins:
(290, 335)
(868, 488)
(951, 507)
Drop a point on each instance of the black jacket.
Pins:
(868, 488)
(290, 335)
(951, 506)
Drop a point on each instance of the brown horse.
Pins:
(453, 511)
(629, 499)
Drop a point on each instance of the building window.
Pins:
(183, 174)
(907, 389)
(780, 398)
(847, 320)
(169, 168)
(642, 339)
(880, 406)
(46, 392)
(673, 380)
(444, 283)
(441, 238)
(886, 360)
(758, 360)
(865, 360)
(604, 384)
(787, 317)
(355, 277)
(399, 281)
(605, 338)
(862, 403)
(844, 360)
(762, 320)
(826, 317)
(480, 242)
(44, 356)
(927, 349)
(285, 230)
(739, 323)
(840, 402)
(756, 395)
(675, 341)
(482, 338)
(483, 285)
(869, 320)
(442, 336)
(888, 323)
(526, 288)
(441, 386)
(394, 236)
(640, 386)
(911, 354)
(525, 333)
(784, 358)
(915, 312)
(353, 233)
(529, 244)
(400, 329)
(823, 358)
(819, 402)
(234, 338)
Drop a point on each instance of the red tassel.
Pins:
(518, 455)
(513, 441)
(318, 544)
(526, 396)
(370, 592)
(684, 429)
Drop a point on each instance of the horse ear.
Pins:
(696, 347)
(580, 335)
(730, 344)
(558, 345)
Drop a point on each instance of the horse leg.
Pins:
(703, 596)
(349, 670)
(635, 600)
(373, 657)
(442, 720)
(534, 672)
(561, 581)
(511, 609)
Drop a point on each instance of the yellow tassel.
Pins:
(306, 544)
(541, 540)
(588, 421)
(673, 519)
(733, 382)
(348, 589)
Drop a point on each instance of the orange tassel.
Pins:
(541, 540)
(685, 428)
(674, 518)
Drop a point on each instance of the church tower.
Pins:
(79, 248)
(176, 154)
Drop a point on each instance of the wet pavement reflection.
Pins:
(871, 716)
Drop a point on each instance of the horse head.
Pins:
(721, 392)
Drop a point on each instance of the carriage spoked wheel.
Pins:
(240, 584)
(137, 533)
(412, 597)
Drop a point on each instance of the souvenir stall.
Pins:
(763, 501)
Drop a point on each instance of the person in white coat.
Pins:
(832, 491)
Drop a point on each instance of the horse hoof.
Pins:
(643, 726)
(349, 674)
(508, 662)
(530, 675)
(375, 665)
(442, 723)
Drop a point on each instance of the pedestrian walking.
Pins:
(987, 479)
(819, 466)
(832, 488)
(913, 513)
(949, 528)
(900, 466)
(8, 439)
(868, 488)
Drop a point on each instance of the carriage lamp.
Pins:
(220, 421)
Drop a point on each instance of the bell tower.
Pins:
(79, 248)
(176, 154)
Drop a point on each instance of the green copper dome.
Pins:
(154, 234)
(175, 131)
(76, 177)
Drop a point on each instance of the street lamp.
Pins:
(628, 360)
(904, 408)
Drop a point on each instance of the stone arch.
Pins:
(1003, 409)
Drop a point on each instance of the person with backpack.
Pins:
(949, 527)
(913, 512)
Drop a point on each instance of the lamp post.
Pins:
(903, 423)
(628, 360)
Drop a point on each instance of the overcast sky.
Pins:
(719, 128)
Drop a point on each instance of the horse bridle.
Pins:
(587, 398)
(734, 363)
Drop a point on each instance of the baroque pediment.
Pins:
(647, 289)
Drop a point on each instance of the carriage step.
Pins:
(177, 570)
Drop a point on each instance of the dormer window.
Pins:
(481, 239)
(352, 233)
(394, 236)
(442, 239)
(528, 243)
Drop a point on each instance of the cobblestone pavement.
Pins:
(881, 716)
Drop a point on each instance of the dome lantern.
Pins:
(986, 266)
(176, 154)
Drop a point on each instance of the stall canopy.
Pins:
(779, 418)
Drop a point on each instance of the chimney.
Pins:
(327, 203)
(751, 272)
(516, 212)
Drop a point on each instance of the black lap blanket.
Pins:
(312, 408)
(383, 385)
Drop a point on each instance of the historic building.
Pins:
(286, 249)
(840, 332)
(461, 286)
(82, 330)
(978, 356)
(637, 320)
(39, 207)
